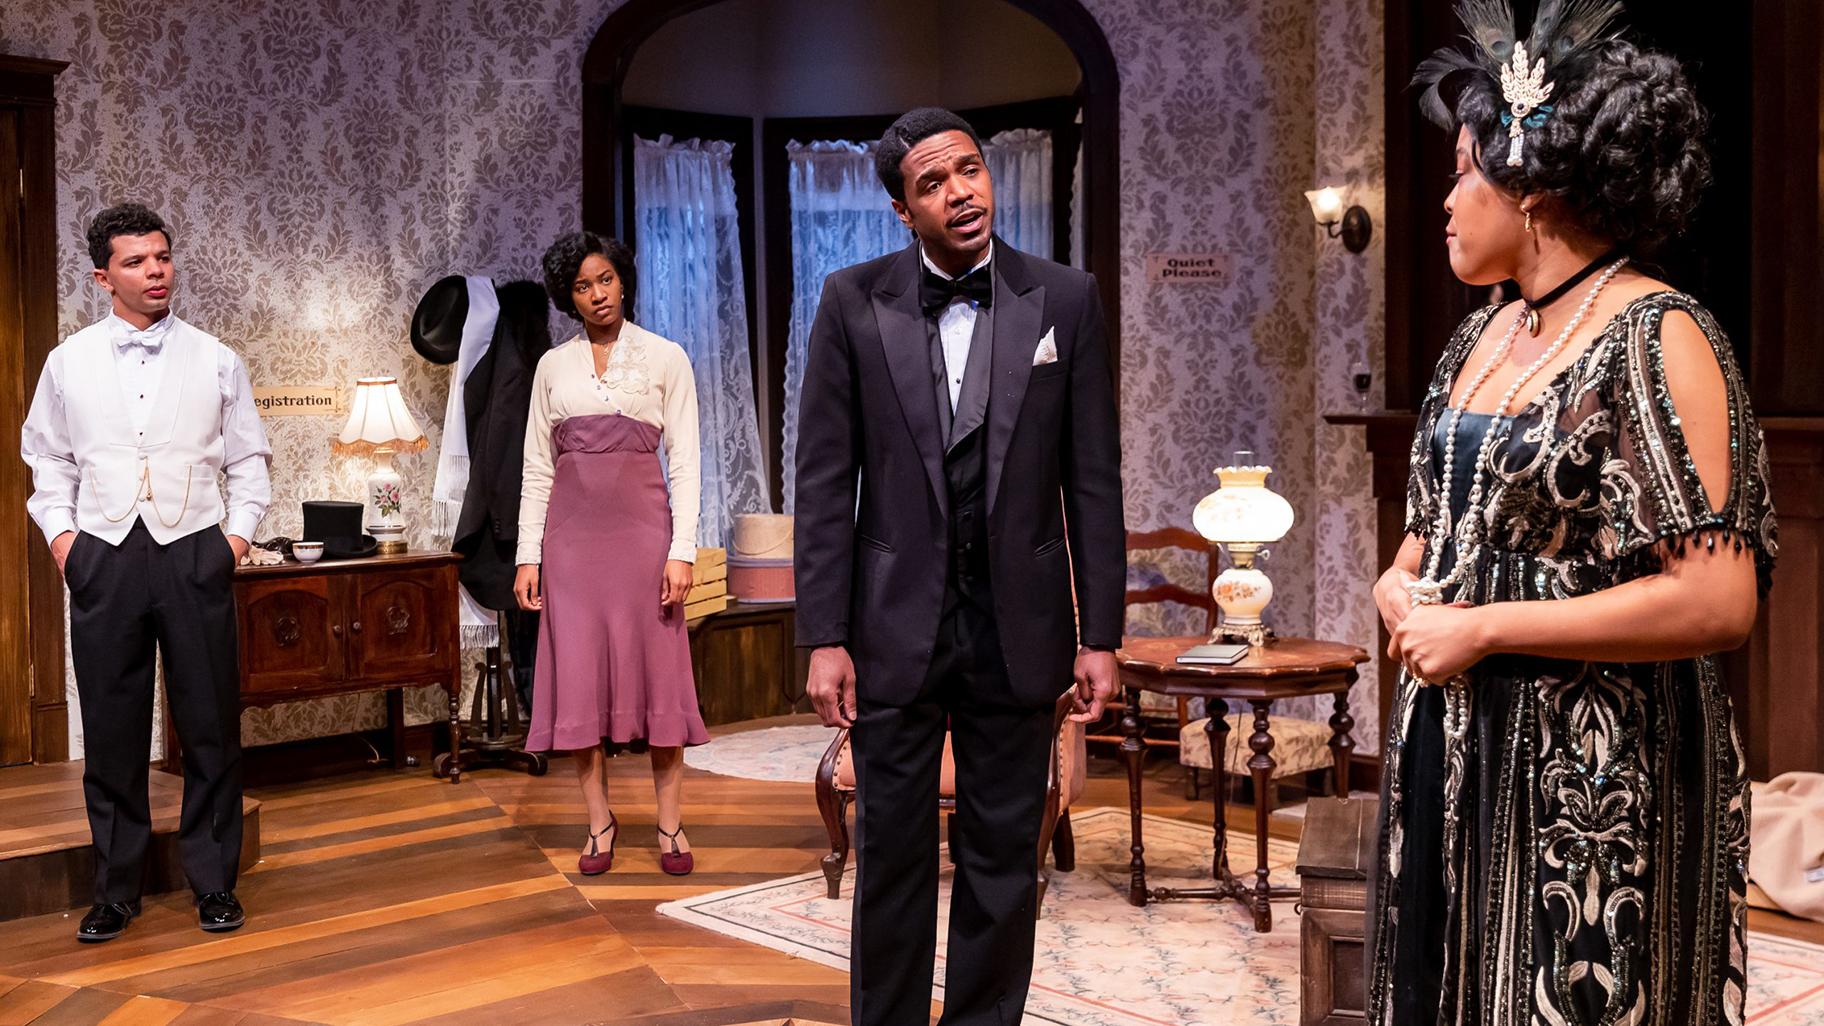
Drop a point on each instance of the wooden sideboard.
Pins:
(335, 627)
(385, 623)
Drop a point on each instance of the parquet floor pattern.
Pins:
(391, 898)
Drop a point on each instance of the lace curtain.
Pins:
(691, 290)
(841, 216)
(1019, 164)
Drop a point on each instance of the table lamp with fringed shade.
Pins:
(1243, 516)
(378, 426)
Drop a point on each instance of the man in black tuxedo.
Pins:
(958, 467)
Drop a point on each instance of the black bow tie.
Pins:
(936, 291)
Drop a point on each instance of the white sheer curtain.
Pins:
(840, 216)
(1019, 164)
(687, 247)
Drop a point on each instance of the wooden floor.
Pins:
(391, 898)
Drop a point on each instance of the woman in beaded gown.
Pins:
(1564, 826)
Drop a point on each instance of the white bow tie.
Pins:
(151, 339)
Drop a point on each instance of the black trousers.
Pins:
(123, 601)
(1001, 749)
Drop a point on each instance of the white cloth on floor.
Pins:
(1786, 842)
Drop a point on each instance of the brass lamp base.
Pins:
(1256, 634)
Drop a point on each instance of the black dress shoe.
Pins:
(106, 922)
(219, 912)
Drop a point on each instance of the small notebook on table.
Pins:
(1213, 655)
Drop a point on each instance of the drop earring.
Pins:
(1529, 221)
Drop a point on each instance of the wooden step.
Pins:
(47, 863)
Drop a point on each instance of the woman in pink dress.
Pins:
(606, 541)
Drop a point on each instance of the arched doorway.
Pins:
(611, 54)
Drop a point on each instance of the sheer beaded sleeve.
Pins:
(1651, 492)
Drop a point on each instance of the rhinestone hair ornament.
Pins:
(1565, 36)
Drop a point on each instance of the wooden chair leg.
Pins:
(833, 804)
(838, 858)
(1192, 786)
(1064, 845)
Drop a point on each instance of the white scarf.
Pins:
(479, 627)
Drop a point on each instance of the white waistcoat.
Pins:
(169, 477)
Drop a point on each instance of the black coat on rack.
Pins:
(497, 397)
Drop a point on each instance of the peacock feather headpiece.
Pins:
(1565, 35)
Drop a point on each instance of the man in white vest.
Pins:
(136, 421)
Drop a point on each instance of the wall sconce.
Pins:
(1327, 208)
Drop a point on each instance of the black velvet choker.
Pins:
(1530, 307)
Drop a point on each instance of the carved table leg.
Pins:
(1342, 745)
(1216, 731)
(455, 763)
(1133, 749)
(1261, 765)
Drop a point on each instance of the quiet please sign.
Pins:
(1187, 268)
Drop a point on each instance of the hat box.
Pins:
(760, 558)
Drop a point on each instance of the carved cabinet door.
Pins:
(399, 622)
(291, 635)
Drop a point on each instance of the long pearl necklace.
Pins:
(1428, 590)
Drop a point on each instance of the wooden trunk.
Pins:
(1333, 860)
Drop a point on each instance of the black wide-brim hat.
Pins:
(338, 526)
(437, 321)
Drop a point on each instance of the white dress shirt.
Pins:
(956, 325)
(139, 364)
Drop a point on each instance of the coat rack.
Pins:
(495, 709)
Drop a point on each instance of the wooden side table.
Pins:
(335, 627)
(1284, 668)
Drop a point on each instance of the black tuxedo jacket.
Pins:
(872, 529)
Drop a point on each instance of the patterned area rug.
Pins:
(787, 754)
(1102, 962)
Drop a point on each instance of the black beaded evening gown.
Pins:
(1569, 847)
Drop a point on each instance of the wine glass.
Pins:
(1361, 378)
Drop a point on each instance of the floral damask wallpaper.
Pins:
(1349, 325)
(322, 161)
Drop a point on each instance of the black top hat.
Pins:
(437, 322)
(338, 526)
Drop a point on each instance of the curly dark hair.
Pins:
(1622, 149)
(912, 128)
(565, 258)
(121, 219)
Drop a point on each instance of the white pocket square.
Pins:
(1048, 349)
